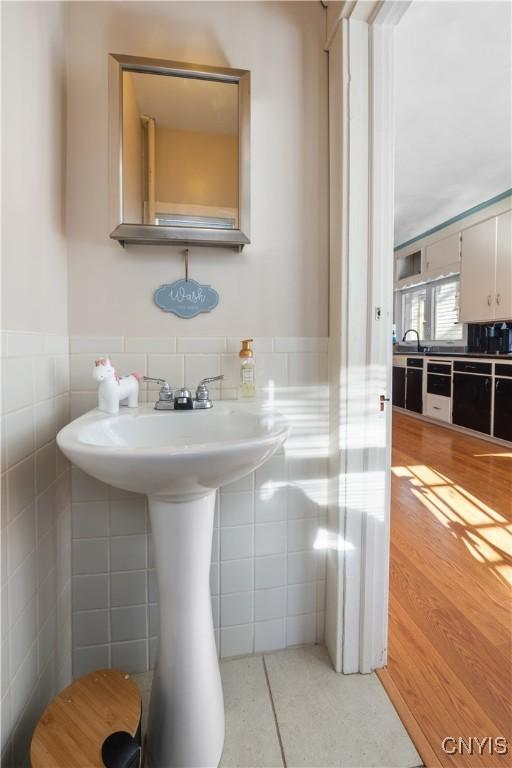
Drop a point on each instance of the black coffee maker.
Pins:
(490, 338)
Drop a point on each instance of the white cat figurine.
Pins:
(113, 389)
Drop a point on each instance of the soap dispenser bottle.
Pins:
(247, 370)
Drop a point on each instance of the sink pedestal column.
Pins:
(186, 713)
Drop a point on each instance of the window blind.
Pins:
(446, 311)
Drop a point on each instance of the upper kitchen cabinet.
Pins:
(408, 267)
(503, 305)
(478, 272)
(442, 258)
(414, 265)
(486, 270)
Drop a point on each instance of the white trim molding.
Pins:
(361, 128)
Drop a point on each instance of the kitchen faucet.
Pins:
(413, 330)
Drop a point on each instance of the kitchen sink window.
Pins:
(432, 310)
(413, 310)
(445, 310)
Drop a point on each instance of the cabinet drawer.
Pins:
(415, 362)
(445, 368)
(439, 385)
(503, 370)
(465, 366)
(437, 407)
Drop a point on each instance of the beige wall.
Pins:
(35, 577)
(132, 153)
(34, 292)
(196, 168)
(278, 285)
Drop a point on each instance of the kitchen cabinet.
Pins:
(408, 266)
(442, 258)
(503, 296)
(474, 392)
(472, 366)
(438, 395)
(503, 408)
(437, 407)
(478, 272)
(486, 270)
(471, 406)
(414, 390)
(399, 386)
(439, 385)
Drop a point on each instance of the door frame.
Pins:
(360, 44)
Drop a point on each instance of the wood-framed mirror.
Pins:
(179, 152)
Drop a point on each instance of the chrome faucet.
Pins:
(165, 400)
(181, 399)
(413, 330)
(202, 398)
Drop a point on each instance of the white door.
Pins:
(442, 258)
(503, 298)
(478, 269)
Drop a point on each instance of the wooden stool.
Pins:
(73, 727)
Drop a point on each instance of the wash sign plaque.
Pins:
(186, 298)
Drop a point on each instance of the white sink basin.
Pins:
(173, 454)
(179, 459)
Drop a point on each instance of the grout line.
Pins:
(281, 747)
(253, 558)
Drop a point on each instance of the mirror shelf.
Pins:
(179, 153)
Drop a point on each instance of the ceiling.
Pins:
(453, 111)
(187, 104)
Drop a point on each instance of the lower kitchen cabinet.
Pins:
(471, 406)
(414, 390)
(437, 407)
(399, 386)
(503, 408)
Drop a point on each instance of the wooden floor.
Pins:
(450, 594)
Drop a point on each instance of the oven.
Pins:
(438, 396)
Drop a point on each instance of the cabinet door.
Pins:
(471, 406)
(504, 267)
(503, 408)
(478, 272)
(442, 258)
(399, 386)
(414, 390)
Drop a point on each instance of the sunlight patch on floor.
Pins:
(499, 455)
(484, 532)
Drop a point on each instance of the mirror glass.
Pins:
(180, 151)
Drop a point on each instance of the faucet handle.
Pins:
(155, 380)
(202, 394)
(209, 379)
(165, 389)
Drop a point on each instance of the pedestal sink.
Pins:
(179, 460)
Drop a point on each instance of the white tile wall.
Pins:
(267, 579)
(35, 534)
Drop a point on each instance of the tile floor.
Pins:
(289, 708)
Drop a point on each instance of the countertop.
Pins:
(488, 358)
